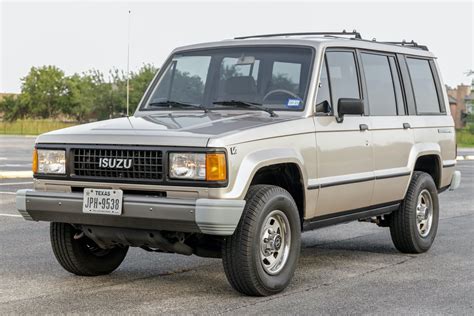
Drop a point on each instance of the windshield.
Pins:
(274, 77)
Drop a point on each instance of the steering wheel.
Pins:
(269, 93)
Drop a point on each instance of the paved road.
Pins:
(15, 153)
(350, 268)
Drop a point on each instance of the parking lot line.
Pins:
(7, 193)
(11, 215)
(15, 174)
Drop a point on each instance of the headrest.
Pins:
(243, 85)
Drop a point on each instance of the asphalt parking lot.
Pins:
(346, 269)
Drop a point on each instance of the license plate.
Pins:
(102, 201)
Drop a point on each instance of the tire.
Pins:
(268, 208)
(82, 256)
(409, 235)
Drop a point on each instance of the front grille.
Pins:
(137, 164)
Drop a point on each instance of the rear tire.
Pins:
(260, 257)
(413, 227)
(82, 256)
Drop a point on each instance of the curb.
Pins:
(466, 157)
(16, 174)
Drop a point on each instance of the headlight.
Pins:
(198, 166)
(49, 161)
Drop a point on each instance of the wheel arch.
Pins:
(287, 176)
(255, 164)
(427, 157)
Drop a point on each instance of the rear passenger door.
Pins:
(344, 150)
(392, 136)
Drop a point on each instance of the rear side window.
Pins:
(343, 75)
(380, 85)
(424, 89)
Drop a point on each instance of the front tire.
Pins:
(260, 257)
(413, 227)
(82, 256)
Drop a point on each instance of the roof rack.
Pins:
(344, 33)
(412, 43)
(356, 36)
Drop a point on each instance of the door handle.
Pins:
(406, 125)
(363, 127)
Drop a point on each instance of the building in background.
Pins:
(460, 103)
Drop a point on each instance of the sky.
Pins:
(79, 36)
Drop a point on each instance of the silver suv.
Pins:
(240, 145)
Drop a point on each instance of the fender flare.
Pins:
(420, 150)
(256, 160)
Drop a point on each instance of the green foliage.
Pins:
(44, 91)
(47, 92)
(12, 108)
(465, 137)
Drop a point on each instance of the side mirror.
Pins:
(349, 106)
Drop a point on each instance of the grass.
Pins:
(31, 127)
(465, 137)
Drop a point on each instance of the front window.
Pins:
(275, 77)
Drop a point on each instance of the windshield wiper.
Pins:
(244, 104)
(170, 103)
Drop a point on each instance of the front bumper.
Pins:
(208, 216)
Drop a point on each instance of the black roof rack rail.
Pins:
(344, 33)
(411, 43)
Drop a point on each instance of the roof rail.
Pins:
(356, 36)
(344, 32)
(411, 43)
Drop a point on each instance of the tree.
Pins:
(44, 91)
(12, 108)
(139, 81)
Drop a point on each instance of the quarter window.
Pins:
(424, 89)
(343, 76)
(380, 86)
(323, 100)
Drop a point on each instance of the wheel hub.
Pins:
(424, 213)
(275, 242)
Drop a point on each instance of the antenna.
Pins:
(128, 61)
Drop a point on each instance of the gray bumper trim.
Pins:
(209, 216)
(218, 217)
(21, 204)
(455, 181)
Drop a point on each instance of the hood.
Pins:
(165, 129)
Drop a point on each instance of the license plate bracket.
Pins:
(102, 201)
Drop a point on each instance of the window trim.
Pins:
(386, 55)
(360, 82)
(152, 85)
(434, 82)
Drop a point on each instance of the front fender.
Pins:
(256, 160)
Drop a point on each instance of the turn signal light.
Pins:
(216, 168)
(34, 166)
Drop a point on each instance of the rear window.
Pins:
(424, 88)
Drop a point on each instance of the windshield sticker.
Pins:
(293, 103)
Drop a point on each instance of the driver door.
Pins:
(345, 159)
